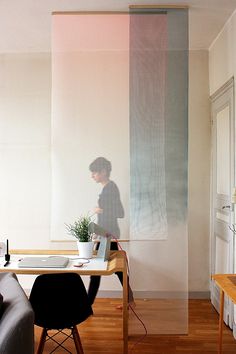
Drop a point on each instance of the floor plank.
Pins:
(102, 333)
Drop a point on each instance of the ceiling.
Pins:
(25, 25)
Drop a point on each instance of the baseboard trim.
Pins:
(199, 295)
(157, 294)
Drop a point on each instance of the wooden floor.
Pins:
(102, 333)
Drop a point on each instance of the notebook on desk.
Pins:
(44, 262)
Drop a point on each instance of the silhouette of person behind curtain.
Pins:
(108, 210)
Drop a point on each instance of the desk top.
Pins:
(226, 282)
(95, 267)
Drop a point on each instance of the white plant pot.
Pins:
(85, 249)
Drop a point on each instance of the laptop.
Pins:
(44, 262)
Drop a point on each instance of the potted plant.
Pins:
(80, 230)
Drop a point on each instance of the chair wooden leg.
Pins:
(41, 341)
(77, 340)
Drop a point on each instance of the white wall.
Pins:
(222, 56)
(25, 149)
(25, 144)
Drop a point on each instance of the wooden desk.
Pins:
(227, 285)
(116, 263)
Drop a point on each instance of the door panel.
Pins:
(223, 152)
(223, 181)
(222, 256)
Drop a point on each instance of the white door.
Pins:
(223, 182)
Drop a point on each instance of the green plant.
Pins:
(80, 229)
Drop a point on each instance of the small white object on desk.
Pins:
(91, 264)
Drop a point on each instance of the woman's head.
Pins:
(101, 169)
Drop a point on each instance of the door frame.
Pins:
(224, 97)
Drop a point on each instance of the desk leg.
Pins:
(221, 320)
(125, 310)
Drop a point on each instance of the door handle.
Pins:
(226, 207)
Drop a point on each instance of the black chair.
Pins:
(60, 301)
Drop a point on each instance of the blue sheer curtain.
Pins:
(158, 156)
